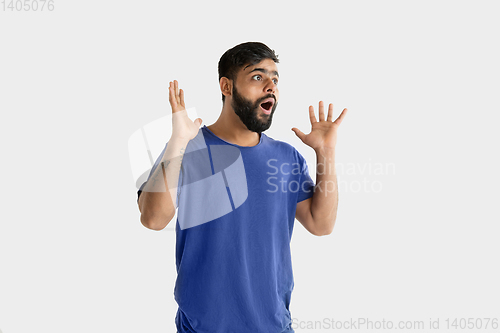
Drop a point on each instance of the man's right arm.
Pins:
(158, 197)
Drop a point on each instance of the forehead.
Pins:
(267, 64)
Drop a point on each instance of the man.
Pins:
(238, 192)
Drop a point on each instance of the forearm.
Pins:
(325, 198)
(158, 197)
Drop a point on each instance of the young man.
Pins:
(238, 192)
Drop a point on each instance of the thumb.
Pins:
(301, 135)
(198, 122)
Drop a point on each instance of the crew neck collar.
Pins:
(232, 144)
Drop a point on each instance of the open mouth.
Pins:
(267, 105)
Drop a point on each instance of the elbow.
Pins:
(325, 233)
(148, 223)
(156, 223)
(326, 230)
(154, 217)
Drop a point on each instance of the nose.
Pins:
(271, 87)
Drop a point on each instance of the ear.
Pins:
(226, 86)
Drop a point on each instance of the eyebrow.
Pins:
(263, 70)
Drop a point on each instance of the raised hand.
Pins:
(182, 126)
(323, 132)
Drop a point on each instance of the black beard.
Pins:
(248, 112)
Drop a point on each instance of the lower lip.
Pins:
(266, 111)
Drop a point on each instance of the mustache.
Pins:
(266, 97)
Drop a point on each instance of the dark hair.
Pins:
(246, 53)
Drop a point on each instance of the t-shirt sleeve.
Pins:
(151, 172)
(306, 188)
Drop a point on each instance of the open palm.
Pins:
(182, 126)
(323, 132)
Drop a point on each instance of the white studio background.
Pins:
(417, 230)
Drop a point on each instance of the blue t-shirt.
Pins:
(236, 212)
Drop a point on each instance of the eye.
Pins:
(258, 77)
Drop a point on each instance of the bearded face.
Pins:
(253, 114)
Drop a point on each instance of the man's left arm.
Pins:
(318, 214)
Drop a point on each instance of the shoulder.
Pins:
(285, 147)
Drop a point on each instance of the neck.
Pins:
(230, 128)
